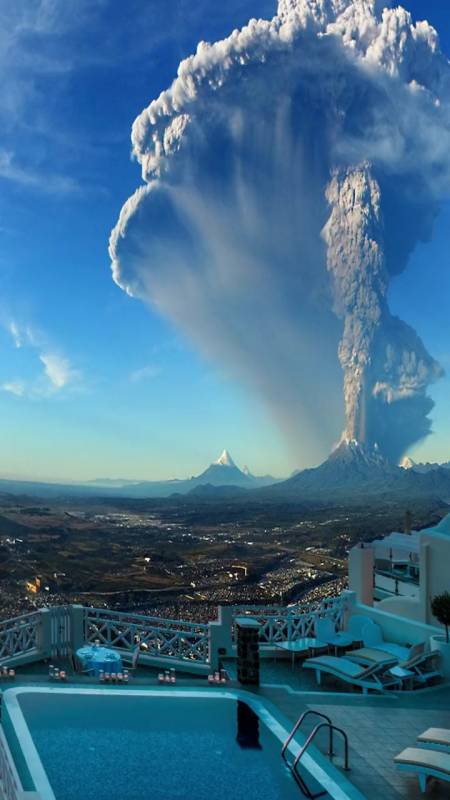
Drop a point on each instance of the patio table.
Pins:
(403, 675)
(303, 645)
(96, 659)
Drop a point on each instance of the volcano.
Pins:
(352, 473)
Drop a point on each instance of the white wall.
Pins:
(395, 627)
(434, 578)
(402, 607)
(434, 571)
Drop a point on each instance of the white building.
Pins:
(401, 573)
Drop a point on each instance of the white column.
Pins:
(360, 573)
(220, 639)
(77, 627)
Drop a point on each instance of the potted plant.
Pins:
(440, 608)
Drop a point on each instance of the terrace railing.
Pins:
(280, 623)
(184, 641)
(61, 630)
(20, 636)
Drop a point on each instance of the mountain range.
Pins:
(428, 466)
(222, 472)
(351, 474)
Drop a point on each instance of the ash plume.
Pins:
(289, 172)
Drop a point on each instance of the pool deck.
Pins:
(378, 726)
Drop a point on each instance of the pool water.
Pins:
(106, 746)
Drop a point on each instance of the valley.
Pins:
(181, 557)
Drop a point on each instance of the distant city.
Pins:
(232, 538)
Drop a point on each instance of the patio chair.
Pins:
(326, 632)
(435, 739)
(371, 677)
(355, 626)
(425, 763)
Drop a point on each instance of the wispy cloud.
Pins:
(44, 181)
(145, 373)
(57, 371)
(14, 387)
(42, 43)
(22, 335)
(15, 333)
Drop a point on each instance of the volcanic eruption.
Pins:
(289, 172)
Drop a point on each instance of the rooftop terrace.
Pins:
(378, 725)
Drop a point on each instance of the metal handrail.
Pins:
(311, 737)
(298, 724)
(397, 576)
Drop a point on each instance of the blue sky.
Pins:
(94, 383)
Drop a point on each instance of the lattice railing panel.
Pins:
(19, 636)
(280, 623)
(185, 641)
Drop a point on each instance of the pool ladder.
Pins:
(293, 766)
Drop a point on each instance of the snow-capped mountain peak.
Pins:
(407, 463)
(225, 460)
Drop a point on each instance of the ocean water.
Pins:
(106, 747)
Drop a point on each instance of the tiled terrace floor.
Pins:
(378, 727)
(376, 736)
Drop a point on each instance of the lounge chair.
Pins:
(423, 663)
(325, 631)
(419, 666)
(378, 655)
(371, 677)
(425, 763)
(372, 637)
(435, 739)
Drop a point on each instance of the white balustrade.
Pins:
(281, 623)
(60, 630)
(19, 636)
(185, 641)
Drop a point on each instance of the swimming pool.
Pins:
(99, 744)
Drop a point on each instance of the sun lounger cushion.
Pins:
(440, 736)
(370, 655)
(337, 665)
(430, 760)
(396, 650)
